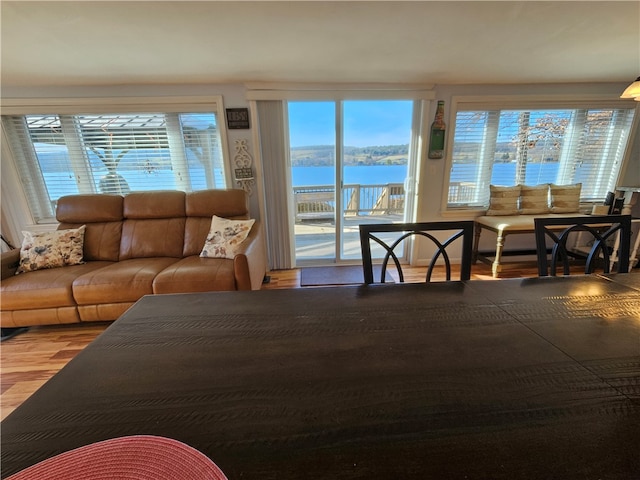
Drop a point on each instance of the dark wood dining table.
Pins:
(535, 378)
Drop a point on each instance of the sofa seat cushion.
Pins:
(196, 274)
(508, 222)
(50, 288)
(124, 281)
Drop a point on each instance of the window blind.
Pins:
(532, 146)
(113, 153)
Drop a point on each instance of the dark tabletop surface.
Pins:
(507, 379)
(632, 280)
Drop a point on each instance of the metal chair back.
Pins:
(371, 233)
(601, 232)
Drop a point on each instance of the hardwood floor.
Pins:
(30, 359)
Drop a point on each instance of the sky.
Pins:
(366, 123)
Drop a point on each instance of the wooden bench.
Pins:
(502, 226)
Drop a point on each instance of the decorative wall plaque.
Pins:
(237, 118)
(243, 166)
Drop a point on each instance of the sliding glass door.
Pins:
(350, 161)
(312, 140)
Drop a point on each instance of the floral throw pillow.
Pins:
(51, 249)
(225, 237)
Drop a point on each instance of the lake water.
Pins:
(369, 174)
(503, 173)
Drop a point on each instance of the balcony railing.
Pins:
(318, 202)
(462, 192)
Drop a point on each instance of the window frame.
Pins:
(14, 196)
(525, 102)
(339, 125)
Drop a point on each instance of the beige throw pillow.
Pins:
(565, 198)
(225, 236)
(503, 200)
(534, 199)
(51, 249)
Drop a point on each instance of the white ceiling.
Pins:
(110, 43)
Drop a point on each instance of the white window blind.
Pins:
(530, 146)
(117, 153)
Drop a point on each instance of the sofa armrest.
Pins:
(250, 264)
(10, 261)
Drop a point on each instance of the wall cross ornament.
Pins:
(243, 166)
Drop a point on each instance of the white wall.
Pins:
(432, 173)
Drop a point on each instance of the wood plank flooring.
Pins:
(28, 360)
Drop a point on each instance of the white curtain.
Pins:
(275, 162)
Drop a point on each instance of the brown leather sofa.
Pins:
(142, 243)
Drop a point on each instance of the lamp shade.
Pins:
(632, 91)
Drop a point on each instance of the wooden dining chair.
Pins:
(375, 232)
(600, 230)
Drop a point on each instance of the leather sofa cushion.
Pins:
(101, 240)
(47, 288)
(195, 274)
(195, 234)
(233, 203)
(154, 225)
(40, 316)
(124, 281)
(102, 311)
(102, 215)
(89, 208)
(145, 205)
(161, 237)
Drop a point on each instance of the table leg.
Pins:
(476, 243)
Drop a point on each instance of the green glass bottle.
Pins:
(436, 137)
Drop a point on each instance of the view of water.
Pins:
(366, 174)
(503, 174)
